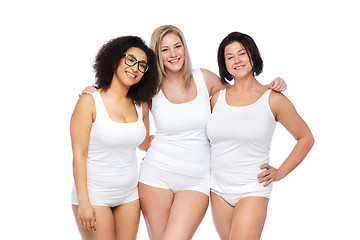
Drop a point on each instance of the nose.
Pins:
(237, 59)
(135, 67)
(172, 52)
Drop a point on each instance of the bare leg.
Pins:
(127, 218)
(155, 205)
(104, 224)
(186, 214)
(249, 218)
(222, 213)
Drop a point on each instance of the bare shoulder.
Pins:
(207, 72)
(280, 104)
(85, 105)
(277, 98)
(86, 99)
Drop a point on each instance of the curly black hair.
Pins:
(250, 48)
(108, 59)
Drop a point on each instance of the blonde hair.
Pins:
(155, 45)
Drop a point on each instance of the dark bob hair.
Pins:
(250, 48)
(107, 61)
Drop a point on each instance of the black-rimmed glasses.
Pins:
(130, 60)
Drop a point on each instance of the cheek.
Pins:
(228, 66)
(163, 57)
(181, 52)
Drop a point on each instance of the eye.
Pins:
(130, 58)
(143, 64)
(164, 50)
(230, 58)
(178, 46)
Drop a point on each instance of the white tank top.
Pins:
(240, 139)
(111, 163)
(181, 144)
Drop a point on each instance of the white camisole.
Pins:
(240, 139)
(181, 144)
(112, 167)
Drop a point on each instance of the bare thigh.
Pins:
(249, 218)
(222, 213)
(127, 218)
(155, 205)
(104, 224)
(186, 214)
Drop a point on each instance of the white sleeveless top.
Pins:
(112, 167)
(240, 139)
(181, 144)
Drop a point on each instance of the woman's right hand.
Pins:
(88, 89)
(87, 216)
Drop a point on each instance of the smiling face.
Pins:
(237, 60)
(172, 52)
(127, 75)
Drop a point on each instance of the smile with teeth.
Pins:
(130, 74)
(175, 60)
(239, 67)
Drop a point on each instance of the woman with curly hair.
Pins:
(106, 128)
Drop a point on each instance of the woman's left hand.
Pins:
(278, 85)
(270, 175)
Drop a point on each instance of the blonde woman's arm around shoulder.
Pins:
(80, 127)
(285, 112)
(212, 81)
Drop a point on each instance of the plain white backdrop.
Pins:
(46, 53)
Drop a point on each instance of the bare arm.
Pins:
(286, 114)
(80, 127)
(214, 84)
(212, 81)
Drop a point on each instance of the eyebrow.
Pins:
(174, 44)
(237, 51)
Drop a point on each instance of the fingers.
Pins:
(278, 85)
(89, 223)
(93, 225)
(266, 176)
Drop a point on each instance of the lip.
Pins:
(130, 74)
(239, 67)
(174, 61)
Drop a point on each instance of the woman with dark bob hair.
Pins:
(240, 129)
(106, 127)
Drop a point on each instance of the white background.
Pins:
(46, 53)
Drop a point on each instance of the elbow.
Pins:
(310, 141)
